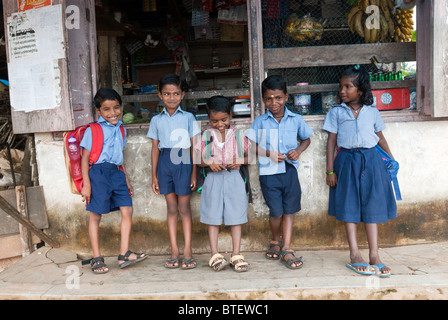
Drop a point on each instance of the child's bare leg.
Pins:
(213, 232)
(355, 254)
(94, 224)
(236, 239)
(287, 224)
(372, 238)
(171, 204)
(125, 231)
(275, 224)
(187, 224)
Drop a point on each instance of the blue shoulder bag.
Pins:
(392, 167)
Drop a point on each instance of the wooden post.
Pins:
(25, 235)
(255, 31)
(10, 210)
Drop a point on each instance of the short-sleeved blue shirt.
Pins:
(113, 144)
(354, 132)
(173, 131)
(281, 137)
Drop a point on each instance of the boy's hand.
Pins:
(86, 192)
(155, 185)
(131, 189)
(276, 156)
(293, 155)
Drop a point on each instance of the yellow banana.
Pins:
(391, 4)
(384, 28)
(358, 23)
(367, 34)
(383, 5)
(350, 17)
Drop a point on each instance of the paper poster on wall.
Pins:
(35, 43)
(32, 4)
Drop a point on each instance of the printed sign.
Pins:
(32, 4)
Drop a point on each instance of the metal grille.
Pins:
(305, 23)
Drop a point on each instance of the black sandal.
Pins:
(272, 252)
(288, 263)
(128, 262)
(95, 264)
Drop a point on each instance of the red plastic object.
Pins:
(392, 99)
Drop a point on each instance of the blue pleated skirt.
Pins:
(364, 191)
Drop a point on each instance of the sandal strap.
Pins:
(125, 257)
(275, 243)
(287, 251)
(217, 258)
(236, 258)
(92, 261)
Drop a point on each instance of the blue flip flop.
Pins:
(366, 273)
(380, 273)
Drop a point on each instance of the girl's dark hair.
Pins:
(361, 81)
(219, 104)
(274, 82)
(173, 79)
(104, 94)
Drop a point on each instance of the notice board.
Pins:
(37, 67)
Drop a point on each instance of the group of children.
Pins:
(360, 189)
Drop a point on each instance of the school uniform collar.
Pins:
(231, 131)
(346, 106)
(179, 109)
(287, 114)
(101, 120)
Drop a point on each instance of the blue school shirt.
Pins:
(354, 132)
(113, 144)
(281, 137)
(173, 131)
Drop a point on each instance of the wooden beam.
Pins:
(334, 87)
(338, 55)
(25, 234)
(10, 210)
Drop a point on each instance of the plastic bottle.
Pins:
(302, 101)
(74, 154)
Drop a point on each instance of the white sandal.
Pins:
(240, 266)
(218, 262)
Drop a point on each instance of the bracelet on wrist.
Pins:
(328, 173)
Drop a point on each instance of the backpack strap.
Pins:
(97, 142)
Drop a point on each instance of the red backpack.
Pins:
(73, 152)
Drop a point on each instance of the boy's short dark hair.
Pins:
(104, 94)
(219, 104)
(274, 82)
(172, 78)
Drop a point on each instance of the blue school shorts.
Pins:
(109, 189)
(282, 192)
(174, 171)
(364, 191)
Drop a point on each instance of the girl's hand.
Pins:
(216, 167)
(86, 192)
(332, 180)
(155, 185)
(233, 166)
(193, 182)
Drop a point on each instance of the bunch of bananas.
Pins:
(394, 26)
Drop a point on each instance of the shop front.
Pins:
(228, 48)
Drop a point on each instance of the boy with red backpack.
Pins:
(106, 186)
